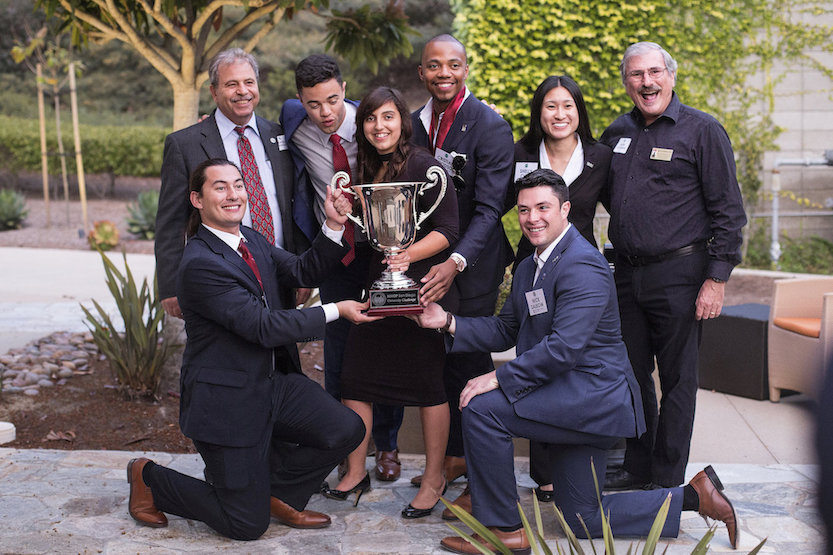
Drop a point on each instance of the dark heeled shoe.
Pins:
(543, 495)
(412, 512)
(359, 488)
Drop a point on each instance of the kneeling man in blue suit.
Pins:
(570, 386)
(268, 434)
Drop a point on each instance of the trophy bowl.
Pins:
(390, 221)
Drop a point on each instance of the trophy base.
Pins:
(394, 302)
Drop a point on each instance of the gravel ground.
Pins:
(64, 227)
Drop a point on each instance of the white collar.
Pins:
(226, 126)
(425, 113)
(541, 259)
(231, 239)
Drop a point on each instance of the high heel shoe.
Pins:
(359, 488)
(544, 495)
(412, 512)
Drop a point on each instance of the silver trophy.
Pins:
(390, 221)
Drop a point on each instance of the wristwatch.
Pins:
(459, 260)
(717, 280)
(448, 318)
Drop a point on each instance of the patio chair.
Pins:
(800, 335)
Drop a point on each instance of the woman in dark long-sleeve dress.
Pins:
(394, 361)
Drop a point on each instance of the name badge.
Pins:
(281, 142)
(661, 154)
(446, 159)
(622, 146)
(536, 302)
(523, 168)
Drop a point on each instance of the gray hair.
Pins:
(230, 56)
(639, 48)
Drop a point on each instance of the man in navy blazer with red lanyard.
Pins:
(570, 386)
(475, 145)
(268, 434)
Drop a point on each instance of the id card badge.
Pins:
(536, 302)
(445, 159)
(622, 146)
(662, 154)
(281, 142)
(523, 168)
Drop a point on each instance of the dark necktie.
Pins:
(340, 164)
(258, 204)
(249, 259)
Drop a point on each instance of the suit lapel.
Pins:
(269, 136)
(590, 163)
(212, 143)
(230, 256)
(463, 125)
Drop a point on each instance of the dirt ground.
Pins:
(88, 412)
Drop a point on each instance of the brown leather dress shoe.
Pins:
(464, 502)
(285, 514)
(140, 506)
(516, 541)
(453, 467)
(713, 503)
(388, 466)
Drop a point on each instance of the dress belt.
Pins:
(682, 251)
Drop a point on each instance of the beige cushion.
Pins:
(810, 327)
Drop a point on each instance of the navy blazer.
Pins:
(238, 336)
(572, 369)
(485, 138)
(292, 115)
(184, 151)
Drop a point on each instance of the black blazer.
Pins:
(584, 191)
(184, 151)
(485, 139)
(238, 336)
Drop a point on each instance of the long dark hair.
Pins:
(369, 160)
(195, 184)
(533, 137)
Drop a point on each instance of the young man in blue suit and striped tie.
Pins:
(571, 386)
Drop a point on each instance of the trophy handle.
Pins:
(434, 174)
(340, 181)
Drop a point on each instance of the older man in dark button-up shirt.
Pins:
(676, 219)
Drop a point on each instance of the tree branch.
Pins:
(232, 32)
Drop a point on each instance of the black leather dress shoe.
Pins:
(624, 480)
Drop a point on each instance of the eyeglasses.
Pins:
(653, 73)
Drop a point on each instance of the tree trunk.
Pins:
(186, 105)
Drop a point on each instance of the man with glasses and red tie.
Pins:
(235, 133)
(268, 435)
(675, 222)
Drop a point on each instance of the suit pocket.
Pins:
(222, 376)
(594, 369)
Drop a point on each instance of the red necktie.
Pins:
(249, 259)
(340, 164)
(258, 204)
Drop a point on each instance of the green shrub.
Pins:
(12, 209)
(812, 255)
(136, 356)
(118, 151)
(142, 219)
(103, 236)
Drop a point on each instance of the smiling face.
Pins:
(651, 95)
(324, 104)
(383, 128)
(543, 217)
(443, 70)
(222, 200)
(236, 93)
(559, 114)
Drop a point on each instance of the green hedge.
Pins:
(119, 151)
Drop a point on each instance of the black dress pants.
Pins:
(310, 434)
(657, 306)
